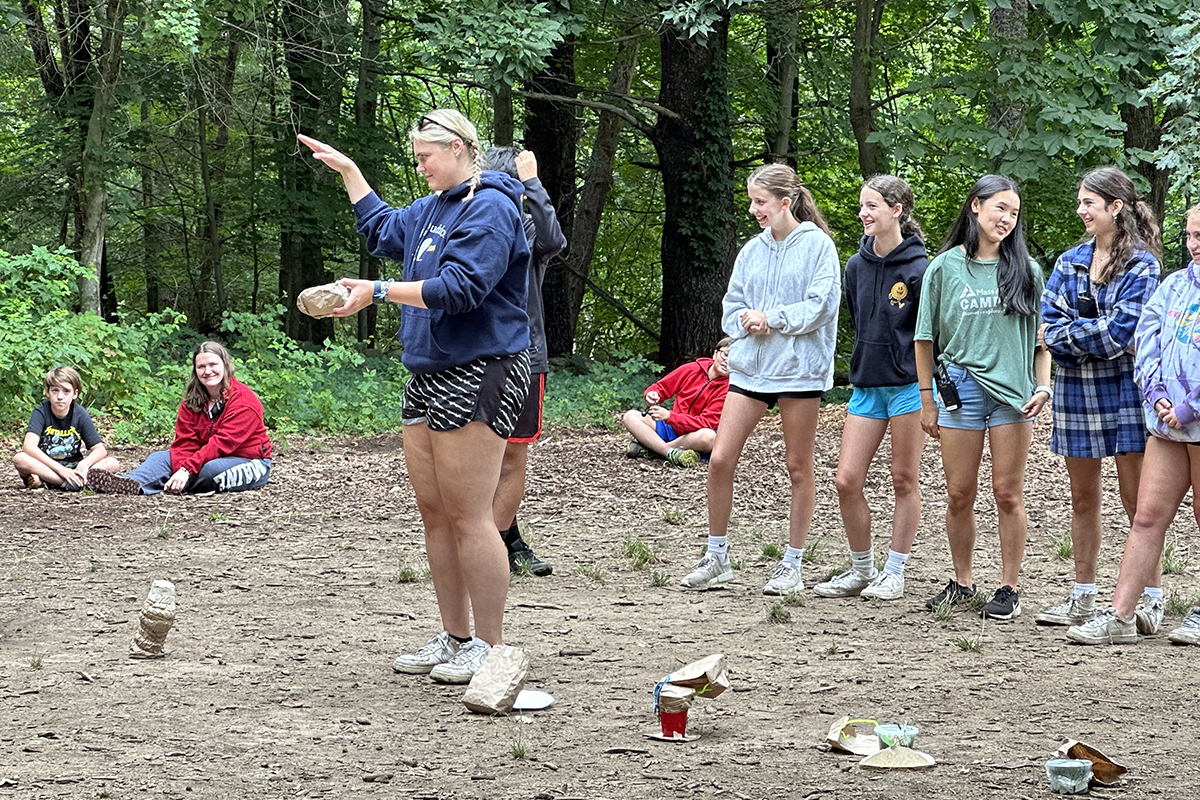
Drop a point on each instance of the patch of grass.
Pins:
(978, 601)
(217, 516)
(517, 749)
(35, 662)
(316, 446)
(812, 550)
(163, 531)
(672, 516)
(594, 572)
(639, 553)
(833, 572)
(1064, 548)
(771, 552)
(407, 575)
(523, 570)
(943, 611)
(777, 614)
(794, 599)
(95, 566)
(970, 644)
(1179, 604)
(1173, 563)
(736, 564)
(659, 579)
(832, 649)
(349, 546)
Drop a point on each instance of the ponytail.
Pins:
(1135, 226)
(782, 181)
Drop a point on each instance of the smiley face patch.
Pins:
(899, 294)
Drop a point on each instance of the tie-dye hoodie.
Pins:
(1167, 364)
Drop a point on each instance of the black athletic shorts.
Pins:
(489, 390)
(772, 399)
(529, 424)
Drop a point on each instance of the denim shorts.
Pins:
(884, 402)
(979, 409)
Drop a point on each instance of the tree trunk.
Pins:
(366, 104)
(868, 15)
(784, 72)
(552, 132)
(1008, 27)
(695, 151)
(1143, 132)
(502, 117)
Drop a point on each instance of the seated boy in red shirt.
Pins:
(689, 427)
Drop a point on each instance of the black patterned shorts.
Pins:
(488, 390)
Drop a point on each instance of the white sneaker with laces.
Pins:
(709, 571)
(1104, 628)
(465, 663)
(1188, 631)
(438, 650)
(785, 579)
(849, 584)
(885, 586)
(1072, 611)
(1149, 614)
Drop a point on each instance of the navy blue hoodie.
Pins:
(882, 295)
(472, 255)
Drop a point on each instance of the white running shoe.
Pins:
(438, 650)
(785, 579)
(709, 571)
(1188, 631)
(849, 584)
(1149, 614)
(1072, 611)
(885, 586)
(465, 663)
(1104, 628)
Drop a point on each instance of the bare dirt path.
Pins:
(278, 680)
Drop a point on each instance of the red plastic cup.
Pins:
(673, 725)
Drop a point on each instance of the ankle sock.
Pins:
(511, 534)
(460, 639)
(793, 555)
(719, 547)
(895, 562)
(1154, 591)
(1084, 588)
(862, 561)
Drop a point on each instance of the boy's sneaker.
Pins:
(521, 558)
(465, 663)
(1188, 631)
(438, 650)
(1072, 611)
(635, 449)
(34, 482)
(103, 482)
(785, 579)
(1149, 614)
(849, 584)
(885, 586)
(709, 571)
(953, 594)
(1104, 628)
(1005, 604)
(682, 458)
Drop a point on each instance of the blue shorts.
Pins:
(885, 402)
(665, 431)
(979, 409)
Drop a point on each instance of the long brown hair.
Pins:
(782, 181)
(196, 396)
(1134, 229)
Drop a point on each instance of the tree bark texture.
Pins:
(695, 152)
(1009, 28)
(868, 16)
(783, 68)
(366, 107)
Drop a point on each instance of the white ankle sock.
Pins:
(895, 562)
(793, 555)
(1154, 591)
(719, 547)
(862, 561)
(1084, 588)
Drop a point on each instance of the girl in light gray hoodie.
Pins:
(781, 309)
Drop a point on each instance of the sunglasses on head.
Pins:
(424, 121)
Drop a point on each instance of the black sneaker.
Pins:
(1005, 604)
(953, 594)
(521, 558)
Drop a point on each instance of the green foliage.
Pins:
(1177, 90)
(596, 393)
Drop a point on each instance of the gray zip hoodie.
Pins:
(797, 283)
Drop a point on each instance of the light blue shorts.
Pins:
(980, 410)
(884, 402)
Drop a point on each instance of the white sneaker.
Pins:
(885, 586)
(784, 580)
(849, 584)
(709, 571)
(1188, 631)
(1149, 614)
(1104, 628)
(465, 663)
(1072, 611)
(438, 650)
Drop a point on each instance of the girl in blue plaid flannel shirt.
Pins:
(1090, 308)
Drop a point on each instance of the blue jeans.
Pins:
(227, 474)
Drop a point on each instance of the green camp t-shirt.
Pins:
(960, 310)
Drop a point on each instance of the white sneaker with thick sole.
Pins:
(785, 579)
(1104, 628)
(709, 571)
(1188, 631)
(464, 665)
(849, 584)
(1072, 611)
(1149, 614)
(438, 650)
(885, 586)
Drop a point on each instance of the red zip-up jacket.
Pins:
(699, 400)
(238, 431)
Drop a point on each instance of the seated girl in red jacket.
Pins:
(689, 427)
(221, 443)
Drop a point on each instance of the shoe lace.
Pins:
(782, 570)
(439, 642)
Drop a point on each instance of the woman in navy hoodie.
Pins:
(466, 341)
(883, 287)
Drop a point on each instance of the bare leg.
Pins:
(962, 451)
(799, 417)
(908, 443)
(1085, 516)
(861, 437)
(511, 488)
(738, 418)
(1010, 452)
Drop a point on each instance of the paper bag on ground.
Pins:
(498, 681)
(1104, 769)
(321, 301)
(706, 676)
(672, 699)
(898, 757)
(845, 737)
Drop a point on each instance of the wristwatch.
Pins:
(380, 295)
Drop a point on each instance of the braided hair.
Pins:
(441, 127)
(896, 192)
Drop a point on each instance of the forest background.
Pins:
(152, 192)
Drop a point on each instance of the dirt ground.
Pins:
(278, 679)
